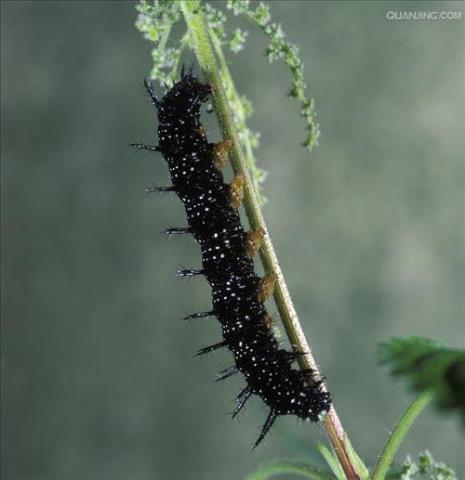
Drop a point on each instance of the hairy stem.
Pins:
(176, 70)
(234, 95)
(204, 51)
(398, 435)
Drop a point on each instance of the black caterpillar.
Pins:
(227, 251)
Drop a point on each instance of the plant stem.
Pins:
(398, 435)
(193, 15)
(240, 113)
(176, 70)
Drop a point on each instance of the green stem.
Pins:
(176, 70)
(398, 435)
(282, 467)
(164, 38)
(193, 15)
(240, 113)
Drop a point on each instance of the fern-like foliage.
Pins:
(429, 366)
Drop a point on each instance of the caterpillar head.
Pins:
(187, 95)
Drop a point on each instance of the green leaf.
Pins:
(282, 467)
(331, 460)
(398, 435)
(357, 461)
(429, 366)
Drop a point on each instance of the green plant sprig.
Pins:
(155, 20)
(279, 48)
(425, 468)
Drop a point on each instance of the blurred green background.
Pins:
(97, 372)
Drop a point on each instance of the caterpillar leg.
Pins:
(236, 191)
(220, 152)
(202, 131)
(266, 287)
(253, 241)
(267, 321)
(291, 357)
